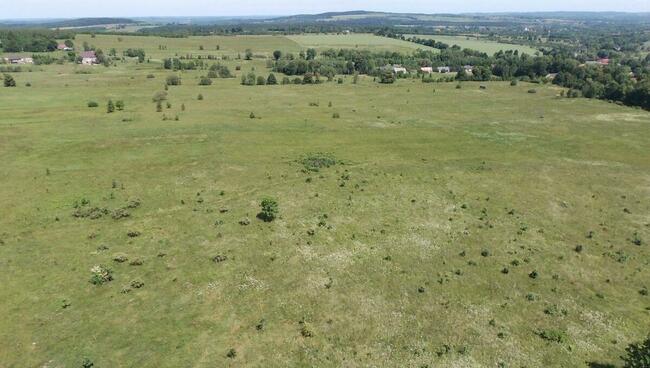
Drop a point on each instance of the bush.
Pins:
(261, 81)
(199, 97)
(532, 91)
(513, 82)
(336, 115)
(271, 80)
(387, 77)
(205, 81)
(9, 81)
(173, 80)
(297, 80)
(93, 104)
(553, 335)
(638, 355)
(119, 105)
(100, 275)
(286, 80)
(269, 210)
(316, 161)
(110, 107)
(150, 76)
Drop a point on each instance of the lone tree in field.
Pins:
(119, 105)
(269, 210)
(387, 77)
(277, 54)
(110, 107)
(248, 54)
(9, 81)
(638, 355)
(271, 79)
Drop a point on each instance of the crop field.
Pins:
(418, 225)
(469, 42)
(354, 41)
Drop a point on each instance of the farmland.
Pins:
(474, 43)
(453, 225)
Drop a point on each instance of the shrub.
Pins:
(458, 86)
(9, 81)
(532, 90)
(553, 335)
(387, 77)
(150, 76)
(252, 115)
(336, 115)
(231, 353)
(316, 161)
(269, 209)
(514, 82)
(159, 96)
(173, 80)
(110, 107)
(261, 81)
(286, 80)
(638, 355)
(119, 105)
(100, 275)
(271, 80)
(248, 79)
(199, 97)
(92, 104)
(297, 80)
(205, 81)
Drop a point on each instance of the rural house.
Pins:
(444, 69)
(426, 70)
(88, 58)
(63, 47)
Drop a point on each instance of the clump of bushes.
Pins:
(100, 275)
(93, 104)
(316, 161)
(532, 90)
(205, 81)
(553, 335)
(9, 81)
(173, 80)
(638, 355)
(269, 210)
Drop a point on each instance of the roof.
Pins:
(88, 54)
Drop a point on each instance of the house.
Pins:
(88, 58)
(603, 61)
(426, 70)
(444, 69)
(63, 47)
(551, 76)
(398, 69)
(19, 60)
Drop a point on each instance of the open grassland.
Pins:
(471, 42)
(447, 234)
(354, 41)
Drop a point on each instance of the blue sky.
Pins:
(95, 8)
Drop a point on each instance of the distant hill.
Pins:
(66, 23)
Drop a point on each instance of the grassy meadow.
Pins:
(458, 227)
(470, 42)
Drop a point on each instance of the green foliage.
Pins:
(119, 105)
(100, 275)
(173, 80)
(110, 107)
(553, 335)
(261, 81)
(9, 81)
(638, 355)
(205, 81)
(316, 161)
(269, 209)
(387, 77)
(249, 79)
(271, 80)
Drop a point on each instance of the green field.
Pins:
(446, 234)
(471, 42)
(354, 41)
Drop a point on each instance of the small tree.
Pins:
(200, 97)
(173, 80)
(110, 107)
(248, 54)
(205, 81)
(638, 355)
(271, 79)
(387, 77)
(119, 105)
(277, 54)
(269, 210)
(261, 81)
(9, 81)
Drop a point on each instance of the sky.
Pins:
(11, 9)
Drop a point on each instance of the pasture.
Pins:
(483, 45)
(455, 227)
(354, 41)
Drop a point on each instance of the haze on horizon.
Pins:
(142, 8)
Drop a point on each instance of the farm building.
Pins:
(426, 69)
(551, 76)
(18, 60)
(88, 58)
(444, 69)
(63, 47)
(394, 68)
